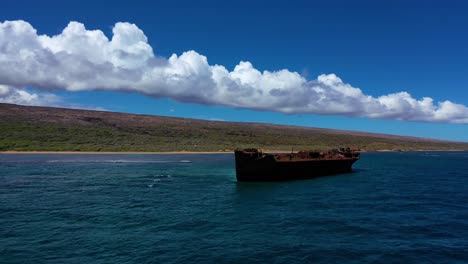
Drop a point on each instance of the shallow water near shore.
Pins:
(408, 207)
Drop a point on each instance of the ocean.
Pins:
(406, 207)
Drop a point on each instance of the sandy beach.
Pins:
(110, 152)
(193, 152)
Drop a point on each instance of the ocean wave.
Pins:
(163, 176)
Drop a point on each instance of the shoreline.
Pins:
(194, 152)
(113, 152)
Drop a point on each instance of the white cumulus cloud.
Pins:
(12, 95)
(80, 59)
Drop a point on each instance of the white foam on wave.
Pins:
(163, 176)
(159, 178)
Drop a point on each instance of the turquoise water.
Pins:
(395, 208)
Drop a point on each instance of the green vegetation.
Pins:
(53, 129)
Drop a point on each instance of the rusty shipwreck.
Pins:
(255, 165)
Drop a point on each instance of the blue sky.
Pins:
(380, 47)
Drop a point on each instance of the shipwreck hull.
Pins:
(269, 168)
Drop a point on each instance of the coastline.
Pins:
(113, 152)
(197, 152)
(413, 150)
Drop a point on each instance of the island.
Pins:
(34, 128)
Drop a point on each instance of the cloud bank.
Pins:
(11, 95)
(79, 59)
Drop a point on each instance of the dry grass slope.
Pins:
(28, 128)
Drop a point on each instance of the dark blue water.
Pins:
(396, 208)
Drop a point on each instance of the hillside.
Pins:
(29, 128)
